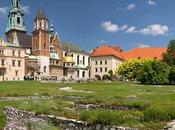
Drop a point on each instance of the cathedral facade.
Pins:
(45, 55)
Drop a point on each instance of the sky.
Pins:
(91, 23)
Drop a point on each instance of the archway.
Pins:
(106, 77)
(98, 77)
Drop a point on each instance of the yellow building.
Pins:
(12, 62)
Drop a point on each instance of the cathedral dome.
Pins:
(68, 59)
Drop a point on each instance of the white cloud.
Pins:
(102, 41)
(131, 30)
(3, 11)
(152, 2)
(131, 6)
(124, 27)
(155, 29)
(26, 9)
(110, 27)
(142, 45)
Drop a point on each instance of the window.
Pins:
(18, 20)
(44, 46)
(16, 73)
(83, 74)
(100, 62)
(72, 55)
(2, 71)
(101, 69)
(78, 73)
(10, 21)
(13, 62)
(40, 24)
(13, 53)
(83, 60)
(19, 53)
(45, 69)
(88, 60)
(2, 62)
(96, 69)
(96, 62)
(105, 62)
(116, 63)
(1, 52)
(78, 58)
(17, 4)
(106, 69)
(19, 63)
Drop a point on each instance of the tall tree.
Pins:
(169, 57)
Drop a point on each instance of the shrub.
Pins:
(154, 72)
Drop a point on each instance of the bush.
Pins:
(154, 72)
(172, 75)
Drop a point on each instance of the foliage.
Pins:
(169, 56)
(111, 74)
(154, 72)
(172, 75)
(129, 69)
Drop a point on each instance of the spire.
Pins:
(15, 17)
(41, 14)
(51, 29)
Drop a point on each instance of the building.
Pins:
(12, 62)
(44, 53)
(106, 58)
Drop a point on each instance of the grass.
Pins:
(156, 104)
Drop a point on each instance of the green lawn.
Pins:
(155, 103)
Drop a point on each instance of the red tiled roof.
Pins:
(105, 50)
(147, 52)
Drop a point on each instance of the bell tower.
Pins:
(41, 35)
(41, 42)
(15, 21)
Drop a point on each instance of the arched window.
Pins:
(45, 68)
(78, 73)
(78, 58)
(18, 20)
(83, 74)
(83, 60)
(44, 46)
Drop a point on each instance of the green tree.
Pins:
(111, 74)
(172, 75)
(154, 72)
(169, 56)
(129, 69)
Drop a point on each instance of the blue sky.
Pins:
(90, 23)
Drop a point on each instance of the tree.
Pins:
(154, 72)
(129, 69)
(169, 56)
(111, 74)
(172, 75)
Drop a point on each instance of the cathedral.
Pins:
(45, 54)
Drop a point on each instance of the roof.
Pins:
(24, 40)
(73, 47)
(41, 14)
(106, 50)
(146, 52)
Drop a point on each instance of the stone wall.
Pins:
(21, 116)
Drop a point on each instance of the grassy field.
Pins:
(155, 104)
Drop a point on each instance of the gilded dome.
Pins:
(68, 59)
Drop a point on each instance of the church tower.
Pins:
(41, 42)
(41, 35)
(15, 21)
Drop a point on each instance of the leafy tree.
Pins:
(154, 72)
(169, 57)
(111, 74)
(172, 75)
(129, 69)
